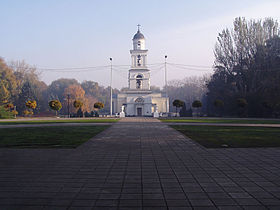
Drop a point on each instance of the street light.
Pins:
(165, 76)
(111, 91)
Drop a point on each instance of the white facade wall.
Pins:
(151, 100)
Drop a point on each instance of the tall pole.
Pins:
(111, 93)
(165, 76)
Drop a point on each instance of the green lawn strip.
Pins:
(238, 121)
(48, 137)
(58, 121)
(234, 137)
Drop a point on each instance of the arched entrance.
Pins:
(139, 111)
(139, 106)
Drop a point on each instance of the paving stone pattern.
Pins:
(136, 164)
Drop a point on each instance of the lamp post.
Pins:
(111, 90)
(165, 76)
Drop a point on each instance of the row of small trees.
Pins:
(180, 104)
(56, 105)
(8, 110)
(241, 104)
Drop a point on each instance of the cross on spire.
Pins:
(138, 27)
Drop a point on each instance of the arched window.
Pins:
(139, 100)
(139, 76)
(139, 79)
(139, 61)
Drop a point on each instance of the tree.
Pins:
(10, 110)
(9, 106)
(242, 104)
(75, 92)
(187, 89)
(31, 105)
(28, 113)
(99, 105)
(29, 86)
(178, 103)
(57, 88)
(91, 88)
(15, 113)
(55, 105)
(197, 104)
(4, 113)
(4, 93)
(219, 104)
(80, 113)
(90, 101)
(78, 105)
(27, 94)
(235, 49)
(8, 83)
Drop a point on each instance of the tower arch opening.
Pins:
(139, 80)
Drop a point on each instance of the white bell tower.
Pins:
(139, 99)
(139, 75)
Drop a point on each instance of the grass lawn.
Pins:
(207, 120)
(234, 137)
(102, 120)
(48, 137)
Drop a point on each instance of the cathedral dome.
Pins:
(138, 35)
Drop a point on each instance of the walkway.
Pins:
(140, 165)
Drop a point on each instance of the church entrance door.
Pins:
(139, 111)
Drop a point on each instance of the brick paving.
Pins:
(140, 165)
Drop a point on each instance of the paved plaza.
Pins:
(140, 163)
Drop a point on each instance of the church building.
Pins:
(139, 100)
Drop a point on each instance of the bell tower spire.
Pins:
(139, 74)
(139, 52)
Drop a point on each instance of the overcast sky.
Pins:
(81, 33)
